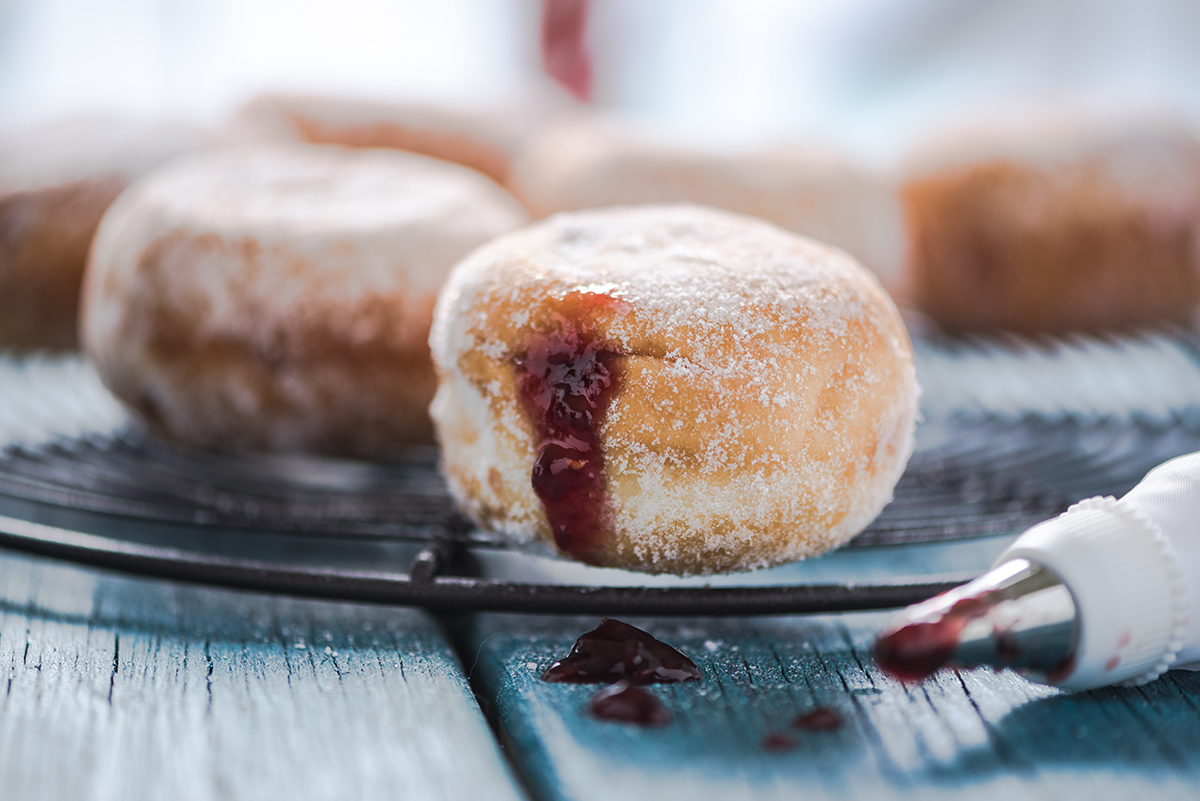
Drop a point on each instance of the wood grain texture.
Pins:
(979, 734)
(116, 688)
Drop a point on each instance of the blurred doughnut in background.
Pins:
(701, 100)
(585, 162)
(1052, 220)
(56, 181)
(871, 74)
(279, 297)
(484, 138)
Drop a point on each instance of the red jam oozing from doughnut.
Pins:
(623, 703)
(616, 651)
(567, 377)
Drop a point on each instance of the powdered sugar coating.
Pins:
(280, 297)
(767, 399)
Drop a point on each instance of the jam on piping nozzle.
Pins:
(1105, 593)
(1018, 614)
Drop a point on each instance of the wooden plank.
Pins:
(131, 689)
(990, 734)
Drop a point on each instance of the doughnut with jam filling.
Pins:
(671, 389)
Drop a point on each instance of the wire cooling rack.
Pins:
(1015, 431)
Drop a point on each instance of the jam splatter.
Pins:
(1061, 671)
(779, 742)
(567, 377)
(918, 650)
(624, 703)
(616, 651)
(820, 719)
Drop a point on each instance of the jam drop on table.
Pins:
(624, 703)
(567, 377)
(779, 742)
(616, 651)
(820, 719)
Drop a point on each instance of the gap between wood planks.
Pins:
(456, 628)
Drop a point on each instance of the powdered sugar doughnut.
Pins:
(280, 298)
(671, 389)
(1055, 222)
(56, 180)
(485, 140)
(582, 163)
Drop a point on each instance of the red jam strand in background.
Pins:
(623, 703)
(820, 719)
(567, 378)
(565, 55)
(616, 651)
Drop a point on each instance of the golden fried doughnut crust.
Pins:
(1056, 223)
(766, 401)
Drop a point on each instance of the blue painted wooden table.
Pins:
(118, 688)
(983, 733)
(124, 688)
(127, 688)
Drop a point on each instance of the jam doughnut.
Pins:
(56, 180)
(280, 298)
(1055, 223)
(671, 389)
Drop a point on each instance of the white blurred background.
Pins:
(865, 72)
(198, 57)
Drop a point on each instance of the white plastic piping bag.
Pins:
(1133, 569)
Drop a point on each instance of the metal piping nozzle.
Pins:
(1018, 614)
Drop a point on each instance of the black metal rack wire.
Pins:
(988, 477)
(115, 498)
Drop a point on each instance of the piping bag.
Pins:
(1106, 593)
